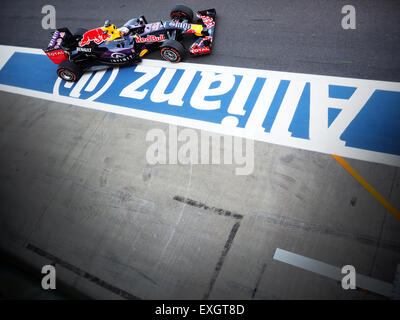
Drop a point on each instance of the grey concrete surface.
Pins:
(75, 186)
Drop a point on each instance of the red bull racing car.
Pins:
(76, 53)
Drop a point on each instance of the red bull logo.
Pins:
(150, 39)
(96, 35)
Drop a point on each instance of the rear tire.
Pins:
(173, 51)
(69, 71)
(180, 12)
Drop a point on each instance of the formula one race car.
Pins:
(110, 46)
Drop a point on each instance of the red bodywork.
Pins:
(57, 56)
(97, 35)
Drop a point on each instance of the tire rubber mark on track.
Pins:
(228, 242)
(221, 259)
(290, 223)
(264, 266)
(201, 205)
(82, 273)
(366, 185)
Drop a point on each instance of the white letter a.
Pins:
(49, 280)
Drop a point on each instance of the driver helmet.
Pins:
(124, 31)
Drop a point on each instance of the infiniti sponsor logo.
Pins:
(121, 57)
(118, 55)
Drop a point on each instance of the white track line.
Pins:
(327, 270)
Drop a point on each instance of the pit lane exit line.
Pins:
(353, 118)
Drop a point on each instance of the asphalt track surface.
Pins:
(295, 36)
(75, 191)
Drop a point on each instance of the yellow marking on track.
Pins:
(367, 186)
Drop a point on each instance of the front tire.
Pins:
(173, 51)
(69, 71)
(180, 12)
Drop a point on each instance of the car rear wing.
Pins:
(203, 45)
(61, 39)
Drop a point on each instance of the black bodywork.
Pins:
(88, 49)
